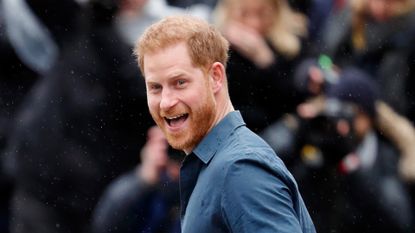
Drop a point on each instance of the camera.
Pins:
(321, 141)
(317, 141)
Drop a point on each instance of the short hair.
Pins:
(205, 43)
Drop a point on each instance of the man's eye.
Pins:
(181, 82)
(155, 87)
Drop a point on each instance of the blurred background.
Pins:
(329, 84)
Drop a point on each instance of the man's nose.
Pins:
(168, 100)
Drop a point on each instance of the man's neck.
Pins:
(223, 110)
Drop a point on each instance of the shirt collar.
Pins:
(207, 148)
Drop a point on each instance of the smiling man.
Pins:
(181, 98)
(230, 180)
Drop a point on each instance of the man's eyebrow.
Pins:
(174, 75)
(177, 75)
(149, 81)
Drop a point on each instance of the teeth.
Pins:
(175, 117)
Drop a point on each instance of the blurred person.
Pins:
(230, 179)
(27, 50)
(81, 124)
(135, 16)
(266, 38)
(312, 77)
(402, 133)
(16, 79)
(371, 169)
(378, 37)
(347, 169)
(146, 199)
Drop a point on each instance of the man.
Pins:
(230, 180)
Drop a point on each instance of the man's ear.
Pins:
(217, 76)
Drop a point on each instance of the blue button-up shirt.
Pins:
(234, 182)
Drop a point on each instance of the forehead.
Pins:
(173, 58)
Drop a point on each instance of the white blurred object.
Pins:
(131, 27)
(31, 40)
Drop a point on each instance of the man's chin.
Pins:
(175, 140)
(177, 145)
(181, 143)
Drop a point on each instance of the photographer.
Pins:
(347, 169)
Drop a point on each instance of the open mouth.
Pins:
(176, 120)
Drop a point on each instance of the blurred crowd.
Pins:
(329, 84)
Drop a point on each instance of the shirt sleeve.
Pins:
(258, 198)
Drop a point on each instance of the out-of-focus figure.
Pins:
(349, 171)
(81, 125)
(146, 199)
(266, 39)
(23, 42)
(378, 37)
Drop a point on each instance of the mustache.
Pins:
(173, 112)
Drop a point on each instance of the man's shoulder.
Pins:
(245, 160)
(244, 146)
(244, 142)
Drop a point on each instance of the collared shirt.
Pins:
(234, 182)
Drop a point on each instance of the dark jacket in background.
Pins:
(262, 95)
(369, 199)
(130, 205)
(16, 79)
(82, 125)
